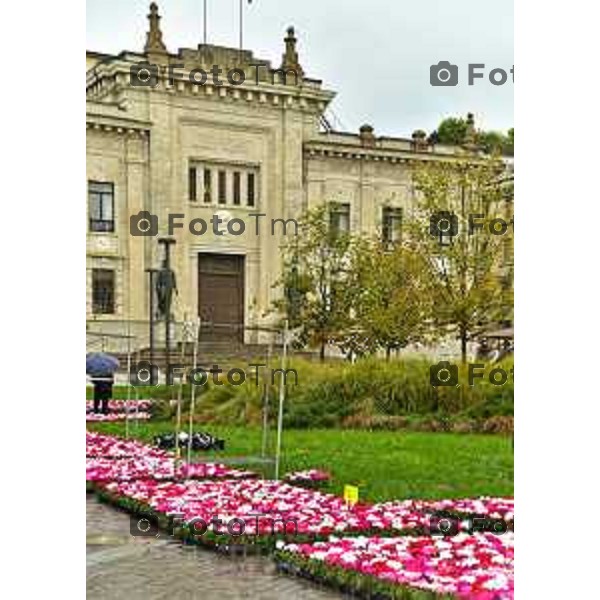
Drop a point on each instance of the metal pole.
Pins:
(193, 391)
(179, 397)
(152, 310)
(128, 354)
(205, 25)
(241, 25)
(281, 400)
(137, 397)
(266, 405)
(167, 340)
(128, 388)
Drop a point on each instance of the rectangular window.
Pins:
(391, 225)
(207, 186)
(222, 187)
(103, 291)
(237, 192)
(251, 190)
(101, 198)
(339, 218)
(192, 183)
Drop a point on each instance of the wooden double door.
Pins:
(221, 296)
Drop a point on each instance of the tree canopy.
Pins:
(366, 295)
(453, 130)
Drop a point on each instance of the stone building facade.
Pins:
(170, 138)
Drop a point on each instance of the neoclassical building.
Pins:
(172, 138)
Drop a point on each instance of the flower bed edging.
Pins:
(349, 582)
(474, 567)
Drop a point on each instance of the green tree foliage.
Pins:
(509, 148)
(365, 297)
(453, 131)
(391, 300)
(315, 270)
(474, 280)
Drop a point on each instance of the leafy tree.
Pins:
(315, 271)
(452, 130)
(473, 281)
(492, 142)
(509, 143)
(392, 299)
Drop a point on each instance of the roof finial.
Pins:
(470, 142)
(367, 135)
(154, 41)
(290, 56)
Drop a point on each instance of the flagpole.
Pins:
(205, 28)
(241, 25)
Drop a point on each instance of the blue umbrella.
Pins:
(100, 364)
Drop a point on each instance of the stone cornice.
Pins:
(112, 116)
(112, 77)
(390, 150)
(123, 126)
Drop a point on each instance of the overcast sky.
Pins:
(375, 54)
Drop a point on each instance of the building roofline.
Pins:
(347, 141)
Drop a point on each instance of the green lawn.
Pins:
(385, 465)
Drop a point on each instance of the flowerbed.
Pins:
(108, 446)
(112, 417)
(122, 406)
(288, 509)
(160, 468)
(400, 563)
(493, 508)
(495, 511)
(474, 567)
(311, 478)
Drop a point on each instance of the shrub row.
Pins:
(370, 394)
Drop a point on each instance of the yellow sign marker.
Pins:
(351, 494)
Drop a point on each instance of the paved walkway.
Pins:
(123, 567)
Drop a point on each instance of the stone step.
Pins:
(225, 357)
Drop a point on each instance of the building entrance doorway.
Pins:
(221, 296)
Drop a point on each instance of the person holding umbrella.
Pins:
(101, 368)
